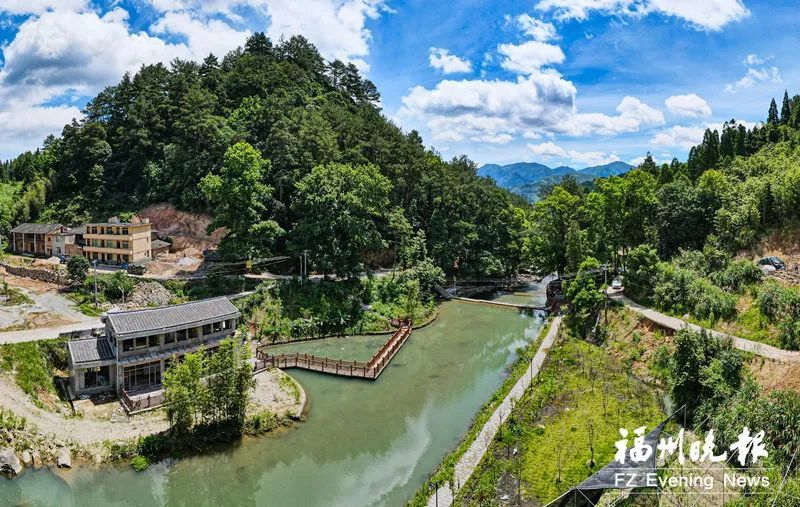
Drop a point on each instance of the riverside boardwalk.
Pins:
(370, 370)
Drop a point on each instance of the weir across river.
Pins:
(344, 368)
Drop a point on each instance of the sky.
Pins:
(573, 82)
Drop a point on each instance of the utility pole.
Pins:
(94, 263)
(305, 263)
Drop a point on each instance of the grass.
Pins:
(583, 395)
(749, 323)
(14, 297)
(289, 386)
(444, 473)
(33, 365)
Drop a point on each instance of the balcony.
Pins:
(139, 401)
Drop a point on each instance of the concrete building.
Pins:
(118, 242)
(137, 346)
(34, 239)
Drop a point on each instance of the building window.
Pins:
(194, 333)
(153, 341)
(124, 231)
(141, 377)
(169, 337)
(182, 335)
(96, 377)
(141, 342)
(127, 345)
(125, 245)
(206, 329)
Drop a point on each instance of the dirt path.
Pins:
(82, 431)
(674, 323)
(273, 392)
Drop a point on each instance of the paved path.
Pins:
(46, 333)
(469, 461)
(674, 323)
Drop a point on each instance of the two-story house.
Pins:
(34, 239)
(118, 242)
(137, 347)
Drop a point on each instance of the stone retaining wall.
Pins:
(42, 274)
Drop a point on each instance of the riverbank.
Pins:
(445, 473)
(101, 436)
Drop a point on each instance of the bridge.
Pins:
(518, 306)
(370, 370)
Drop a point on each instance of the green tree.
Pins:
(640, 277)
(584, 296)
(241, 203)
(339, 209)
(772, 115)
(184, 393)
(786, 109)
(704, 372)
(78, 268)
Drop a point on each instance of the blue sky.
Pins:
(578, 82)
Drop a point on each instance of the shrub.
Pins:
(140, 463)
(707, 301)
(153, 446)
(737, 275)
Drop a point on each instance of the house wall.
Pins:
(117, 242)
(164, 348)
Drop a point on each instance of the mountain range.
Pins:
(528, 178)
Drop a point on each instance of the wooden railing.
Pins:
(141, 402)
(369, 370)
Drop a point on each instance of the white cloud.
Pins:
(529, 57)
(705, 15)
(541, 104)
(67, 53)
(686, 136)
(441, 59)
(550, 150)
(23, 127)
(753, 77)
(679, 136)
(203, 36)
(537, 29)
(666, 158)
(690, 105)
(752, 59)
(18, 7)
(336, 27)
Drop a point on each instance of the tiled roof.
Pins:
(36, 228)
(89, 350)
(175, 316)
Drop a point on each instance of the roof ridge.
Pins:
(165, 307)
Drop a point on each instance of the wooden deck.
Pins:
(370, 370)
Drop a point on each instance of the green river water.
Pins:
(364, 443)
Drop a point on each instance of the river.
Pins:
(364, 443)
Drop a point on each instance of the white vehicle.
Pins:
(616, 283)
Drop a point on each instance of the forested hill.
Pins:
(286, 150)
(736, 185)
(531, 180)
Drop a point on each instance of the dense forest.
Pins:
(269, 140)
(734, 187)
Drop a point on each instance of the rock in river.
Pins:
(64, 458)
(27, 458)
(9, 463)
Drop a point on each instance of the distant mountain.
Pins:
(528, 178)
